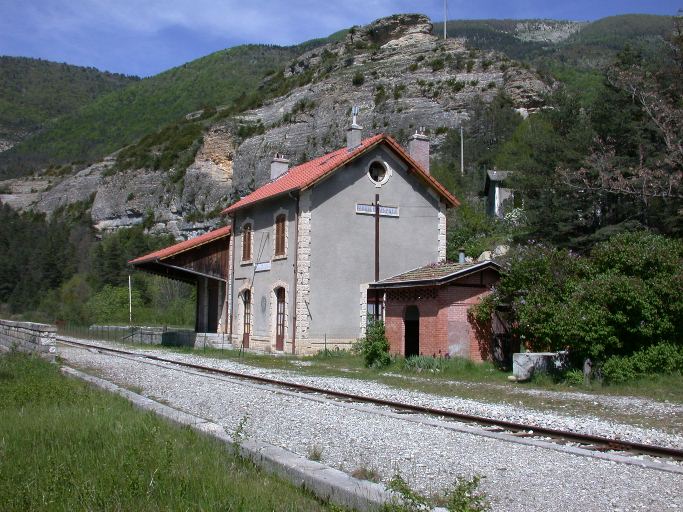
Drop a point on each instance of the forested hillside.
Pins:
(34, 91)
(225, 78)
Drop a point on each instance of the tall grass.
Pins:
(65, 446)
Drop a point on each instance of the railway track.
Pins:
(585, 441)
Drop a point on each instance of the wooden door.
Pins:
(246, 297)
(280, 320)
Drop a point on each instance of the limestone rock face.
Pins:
(208, 181)
(398, 73)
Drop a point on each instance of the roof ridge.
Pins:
(309, 173)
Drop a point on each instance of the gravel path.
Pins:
(517, 477)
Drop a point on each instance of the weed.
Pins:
(240, 433)
(366, 473)
(465, 496)
(408, 499)
(315, 452)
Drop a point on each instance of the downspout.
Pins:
(232, 276)
(296, 269)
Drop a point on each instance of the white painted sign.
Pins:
(384, 211)
(262, 267)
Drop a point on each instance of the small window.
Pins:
(375, 306)
(377, 172)
(280, 235)
(246, 242)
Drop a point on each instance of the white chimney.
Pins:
(354, 133)
(278, 166)
(461, 256)
(418, 148)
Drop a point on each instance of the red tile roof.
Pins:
(308, 174)
(435, 274)
(172, 250)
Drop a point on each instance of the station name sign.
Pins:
(262, 267)
(384, 211)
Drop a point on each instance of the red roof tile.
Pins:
(436, 273)
(172, 250)
(308, 174)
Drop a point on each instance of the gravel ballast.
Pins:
(517, 477)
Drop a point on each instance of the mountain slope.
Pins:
(582, 44)
(33, 91)
(121, 117)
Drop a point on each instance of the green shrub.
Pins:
(437, 64)
(374, 347)
(465, 496)
(358, 79)
(618, 370)
(573, 378)
(663, 358)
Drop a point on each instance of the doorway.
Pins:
(280, 319)
(411, 320)
(246, 331)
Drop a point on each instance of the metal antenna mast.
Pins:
(445, 17)
(462, 152)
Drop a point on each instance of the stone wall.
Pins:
(28, 337)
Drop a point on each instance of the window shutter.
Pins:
(280, 235)
(246, 242)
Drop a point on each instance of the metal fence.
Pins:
(136, 335)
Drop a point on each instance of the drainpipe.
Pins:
(232, 275)
(296, 268)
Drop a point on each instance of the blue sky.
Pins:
(145, 37)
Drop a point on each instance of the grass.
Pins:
(65, 446)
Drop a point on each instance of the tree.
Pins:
(625, 296)
(637, 154)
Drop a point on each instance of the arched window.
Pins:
(246, 242)
(280, 235)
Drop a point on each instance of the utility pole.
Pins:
(445, 17)
(462, 152)
(130, 302)
(376, 254)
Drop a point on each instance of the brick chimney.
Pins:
(278, 166)
(354, 133)
(418, 148)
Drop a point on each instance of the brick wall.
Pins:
(444, 324)
(28, 337)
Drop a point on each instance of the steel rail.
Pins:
(600, 442)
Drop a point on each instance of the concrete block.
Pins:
(526, 364)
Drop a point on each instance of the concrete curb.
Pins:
(327, 483)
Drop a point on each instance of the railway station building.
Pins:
(293, 270)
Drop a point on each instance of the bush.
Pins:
(358, 79)
(664, 358)
(625, 296)
(374, 347)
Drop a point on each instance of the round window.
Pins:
(377, 172)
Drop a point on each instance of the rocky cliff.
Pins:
(398, 73)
